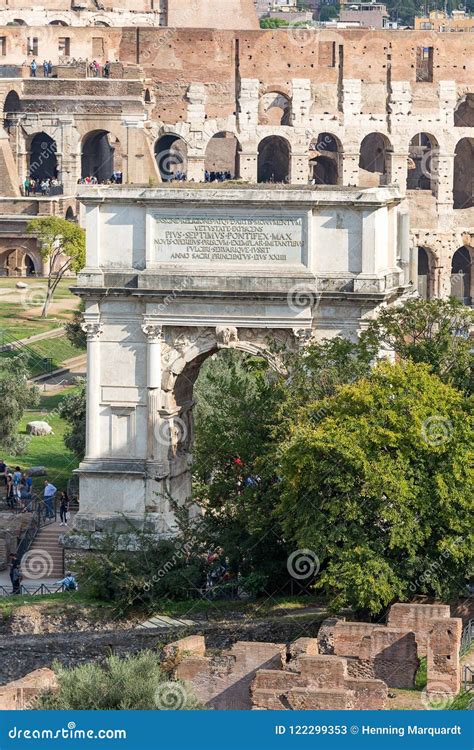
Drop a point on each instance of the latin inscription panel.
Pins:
(230, 239)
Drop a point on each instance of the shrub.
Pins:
(130, 683)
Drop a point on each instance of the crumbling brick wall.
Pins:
(443, 660)
(417, 617)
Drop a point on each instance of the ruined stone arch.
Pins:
(58, 22)
(100, 21)
(325, 159)
(375, 160)
(274, 159)
(275, 107)
(463, 176)
(222, 153)
(423, 166)
(464, 112)
(171, 155)
(20, 261)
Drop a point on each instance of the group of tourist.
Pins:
(217, 176)
(43, 187)
(95, 69)
(19, 494)
(177, 177)
(47, 68)
(115, 179)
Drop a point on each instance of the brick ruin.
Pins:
(345, 107)
(350, 665)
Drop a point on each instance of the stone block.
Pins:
(193, 645)
(323, 671)
(367, 695)
(308, 699)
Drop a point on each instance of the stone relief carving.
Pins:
(226, 336)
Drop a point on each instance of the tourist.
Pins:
(63, 508)
(27, 186)
(15, 574)
(10, 494)
(48, 495)
(33, 68)
(3, 472)
(107, 70)
(69, 582)
(50, 68)
(45, 69)
(16, 479)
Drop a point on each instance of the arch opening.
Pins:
(100, 157)
(463, 179)
(325, 154)
(171, 155)
(274, 160)
(18, 263)
(221, 160)
(274, 109)
(423, 163)
(425, 280)
(461, 275)
(43, 162)
(374, 160)
(11, 107)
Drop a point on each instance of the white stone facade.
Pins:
(173, 276)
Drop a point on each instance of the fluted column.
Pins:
(92, 327)
(153, 331)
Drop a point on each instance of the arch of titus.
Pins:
(175, 274)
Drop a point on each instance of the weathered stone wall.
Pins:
(443, 661)
(418, 618)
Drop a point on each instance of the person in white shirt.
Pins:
(49, 493)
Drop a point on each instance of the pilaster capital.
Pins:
(92, 327)
(153, 330)
(303, 336)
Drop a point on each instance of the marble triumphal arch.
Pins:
(175, 274)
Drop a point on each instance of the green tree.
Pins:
(73, 328)
(72, 408)
(237, 400)
(436, 332)
(136, 682)
(62, 245)
(378, 482)
(15, 396)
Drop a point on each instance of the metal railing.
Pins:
(34, 590)
(467, 638)
(40, 517)
(467, 678)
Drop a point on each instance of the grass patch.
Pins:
(462, 702)
(46, 355)
(19, 316)
(223, 609)
(421, 677)
(47, 450)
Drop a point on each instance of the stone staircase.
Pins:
(44, 559)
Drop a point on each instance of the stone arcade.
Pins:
(173, 275)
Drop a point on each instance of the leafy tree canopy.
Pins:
(378, 482)
(15, 396)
